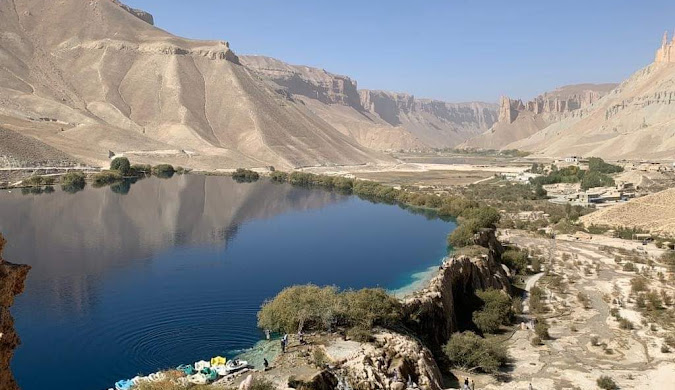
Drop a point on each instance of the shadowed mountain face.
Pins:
(89, 77)
(376, 119)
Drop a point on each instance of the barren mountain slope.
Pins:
(335, 99)
(110, 80)
(636, 120)
(436, 123)
(518, 120)
(654, 213)
(377, 119)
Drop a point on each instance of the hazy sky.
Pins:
(455, 50)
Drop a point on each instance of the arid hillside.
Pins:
(635, 121)
(86, 78)
(376, 119)
(654, 213)
(518, 120)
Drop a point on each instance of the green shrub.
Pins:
(312, 307)
(596, 179)
(541, 329)
(597, 164)
(121, 165)
(280, 177)
(138, 169)
(469, 351)
(163, 171)
(361, 335)
(259, 383)
(606, 383)
(38, 180)
(625, 324)
(495, 310)
(106, 177)
(73, 182)
(319, 358)
(536, 341)
(629, 267)
(242, 175)
(462, 236)
(515, 259)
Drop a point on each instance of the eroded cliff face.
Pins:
(390, 362)
(437, 311)
(519, 120)
(12, 277)
(560, 101)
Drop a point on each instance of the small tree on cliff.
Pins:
(495, 312)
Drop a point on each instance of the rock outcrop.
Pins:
(313, 83)
(139, 13)
(437, 311)
(12, 277)
(666, 53)
(519, 120)
(390, 363)
(438, 124)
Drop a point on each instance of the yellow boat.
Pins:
(218, 361)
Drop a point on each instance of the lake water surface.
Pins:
(175, 270)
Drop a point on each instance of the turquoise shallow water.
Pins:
(175, 270)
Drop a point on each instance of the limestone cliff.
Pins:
(634, 121)
(377, 119)
(139, 13)
(438, 124)
(12, 278)
(666, 53)
(437, 311)
(519, 120)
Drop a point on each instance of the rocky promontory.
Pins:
(12, 277)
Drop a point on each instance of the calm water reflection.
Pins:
(175, 270)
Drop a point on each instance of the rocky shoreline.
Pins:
(12, 278)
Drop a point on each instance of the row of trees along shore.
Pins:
(317, 308)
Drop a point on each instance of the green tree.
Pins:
(73, 182)
(471, 352)
(121, 165)
(515, 260)
(596, 179)
(496, 310)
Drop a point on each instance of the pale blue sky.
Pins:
(455, 50)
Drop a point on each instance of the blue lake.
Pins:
(175, 270)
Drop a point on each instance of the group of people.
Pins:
(466, 385)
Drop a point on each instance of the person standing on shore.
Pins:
(266, 364)
(283, 345)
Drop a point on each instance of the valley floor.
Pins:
(586, 340)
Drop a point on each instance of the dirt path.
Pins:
(587, 341)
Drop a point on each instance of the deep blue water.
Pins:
(175, 270)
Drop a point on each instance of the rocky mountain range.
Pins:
(91, 77)
(519, 120)
(635, 121)
(377, 119)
